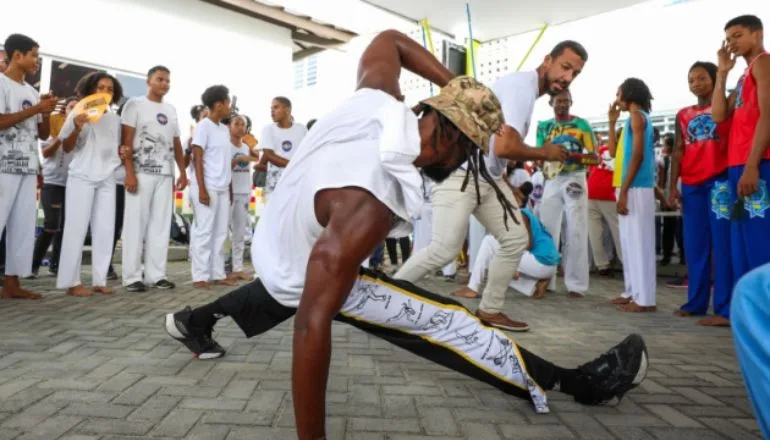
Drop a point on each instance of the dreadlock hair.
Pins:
(446, 129)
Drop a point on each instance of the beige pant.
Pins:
(599, 212)
(452, 209)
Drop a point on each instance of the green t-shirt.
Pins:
(574, 134)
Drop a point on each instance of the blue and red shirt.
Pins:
(705, 144)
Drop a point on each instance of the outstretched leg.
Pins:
(442, 330)
(250, 306)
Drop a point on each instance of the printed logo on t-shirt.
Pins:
(739, 92)
(759, 202)
(701, 128)
(537, 192)
(26, 104)
(286, 146)
(242, 165)
(720, 200)
(162, 119)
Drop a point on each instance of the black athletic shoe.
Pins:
(164, 284)
(136, 287)
(616, 372)
(198, 340)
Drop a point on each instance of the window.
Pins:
(133, 86)
(65, 76)
(306, 72)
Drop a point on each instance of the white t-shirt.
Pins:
(18, 144)
(215, 140)
(518, 177)
(343, 149)
(156, 126)
(517, 93)
(284, 142)
(95, 156)
(55, 167)
(241, 171)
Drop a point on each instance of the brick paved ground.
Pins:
(104, 368)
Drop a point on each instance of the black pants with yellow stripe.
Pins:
(428, 325)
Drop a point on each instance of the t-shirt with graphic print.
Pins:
(156, 125)
(574, 134)
(241, 171)
(18, 144)
(283, 142)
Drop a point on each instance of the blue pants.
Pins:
(750, 326)
(750, 238)
(706, 218)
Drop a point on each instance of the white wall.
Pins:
(200, 43)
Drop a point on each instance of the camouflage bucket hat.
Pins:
(472, 107)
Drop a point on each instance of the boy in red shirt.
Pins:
(748, 153)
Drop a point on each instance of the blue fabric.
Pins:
(645, 177)
(543, 247)
(750, 326)
(376, 258)
(711, 200)
(750, 234)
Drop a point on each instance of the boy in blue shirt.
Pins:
(636, 195)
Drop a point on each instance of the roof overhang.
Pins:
(493, 19)
(308, 35)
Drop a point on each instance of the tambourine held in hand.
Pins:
(552, 169)
(94, 106)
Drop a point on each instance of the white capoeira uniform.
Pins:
(356, 133)
(239, 209)
(147, 214)
(284, 142)
(210, 224)
(90, 199)
(19, 164)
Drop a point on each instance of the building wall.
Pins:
(200, 43)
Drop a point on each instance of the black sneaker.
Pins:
(616, 372)
(136, 287)
(198, 340)
(164, 284)
(112, 275)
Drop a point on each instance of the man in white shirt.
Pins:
(279, 141)
(24, 118)
(453, 206)
(321, 226)
(242, 158)
(210, 191)
(150, 128)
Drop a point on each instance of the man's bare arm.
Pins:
(270, 156)
(510, 145)
(389, 52)
(355, 223)
(761, 71)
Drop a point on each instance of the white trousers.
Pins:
(422, 230)
(530, 270)
(87, 203)
(566, 197)
(637, 237)
(146, 228)
(476, 233)
(601, 212)
(18, 216)
(209, 231)
(239, 219)
(452, 209)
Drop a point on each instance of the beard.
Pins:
(437, 173)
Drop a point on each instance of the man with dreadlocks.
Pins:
(320, 226)
(453, 205)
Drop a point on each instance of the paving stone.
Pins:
(104, 369)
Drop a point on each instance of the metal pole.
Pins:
(470, 36)
(532, 47)
(427, 42)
